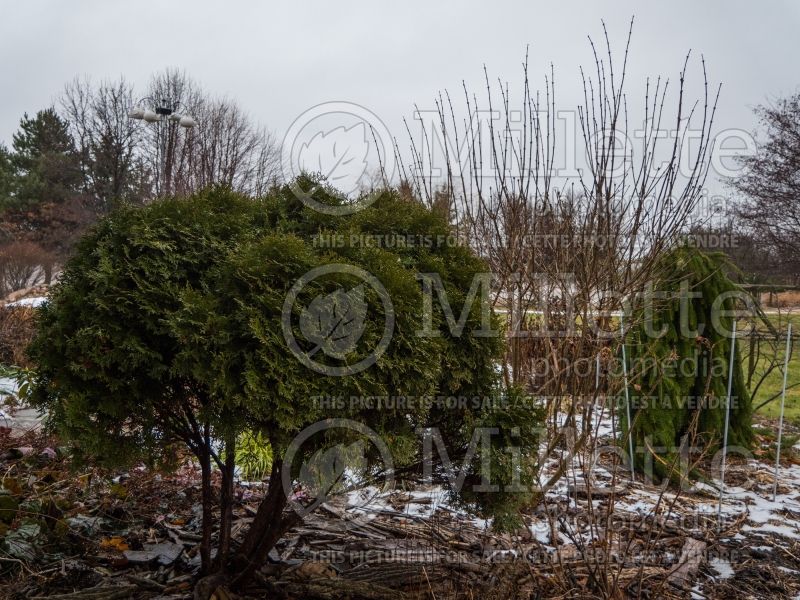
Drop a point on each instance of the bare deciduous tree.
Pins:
(107, 139)
(127, 160)
(226, 147)
(770, 182)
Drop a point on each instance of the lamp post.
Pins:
(164, 113)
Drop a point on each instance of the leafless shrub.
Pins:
(22, 265)
(788, 299)
(568, 250)
(16, 332)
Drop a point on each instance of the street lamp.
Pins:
(164, 113)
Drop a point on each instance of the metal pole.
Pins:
(163, 126)
(597, 373)
(590, 413)
(783, 399)
(627, 397)
(727, 421)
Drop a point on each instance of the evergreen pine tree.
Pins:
(45, 161)
(6, 178)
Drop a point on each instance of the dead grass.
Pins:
(787, 299)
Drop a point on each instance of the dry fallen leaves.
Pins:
(115, 543)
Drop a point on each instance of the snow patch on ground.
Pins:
(370, 501)
(748, 494)
(722, 567)
(8, 386)
(32, 302)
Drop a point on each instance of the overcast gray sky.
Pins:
(278, 59)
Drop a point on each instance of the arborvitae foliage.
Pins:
(679, 374)
(166, 329)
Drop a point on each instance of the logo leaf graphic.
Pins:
(340, 155)
(335, 322)
(326, 468)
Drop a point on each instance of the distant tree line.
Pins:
(70, 163)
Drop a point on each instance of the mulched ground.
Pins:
(99, 534)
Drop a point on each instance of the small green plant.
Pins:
(253, 456)
(16, 392)
(7, 371)
(766, 432)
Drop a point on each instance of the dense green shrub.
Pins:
(169, 328)
(680, 377)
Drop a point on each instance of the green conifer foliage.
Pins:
(167, 330)
(679, 373)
